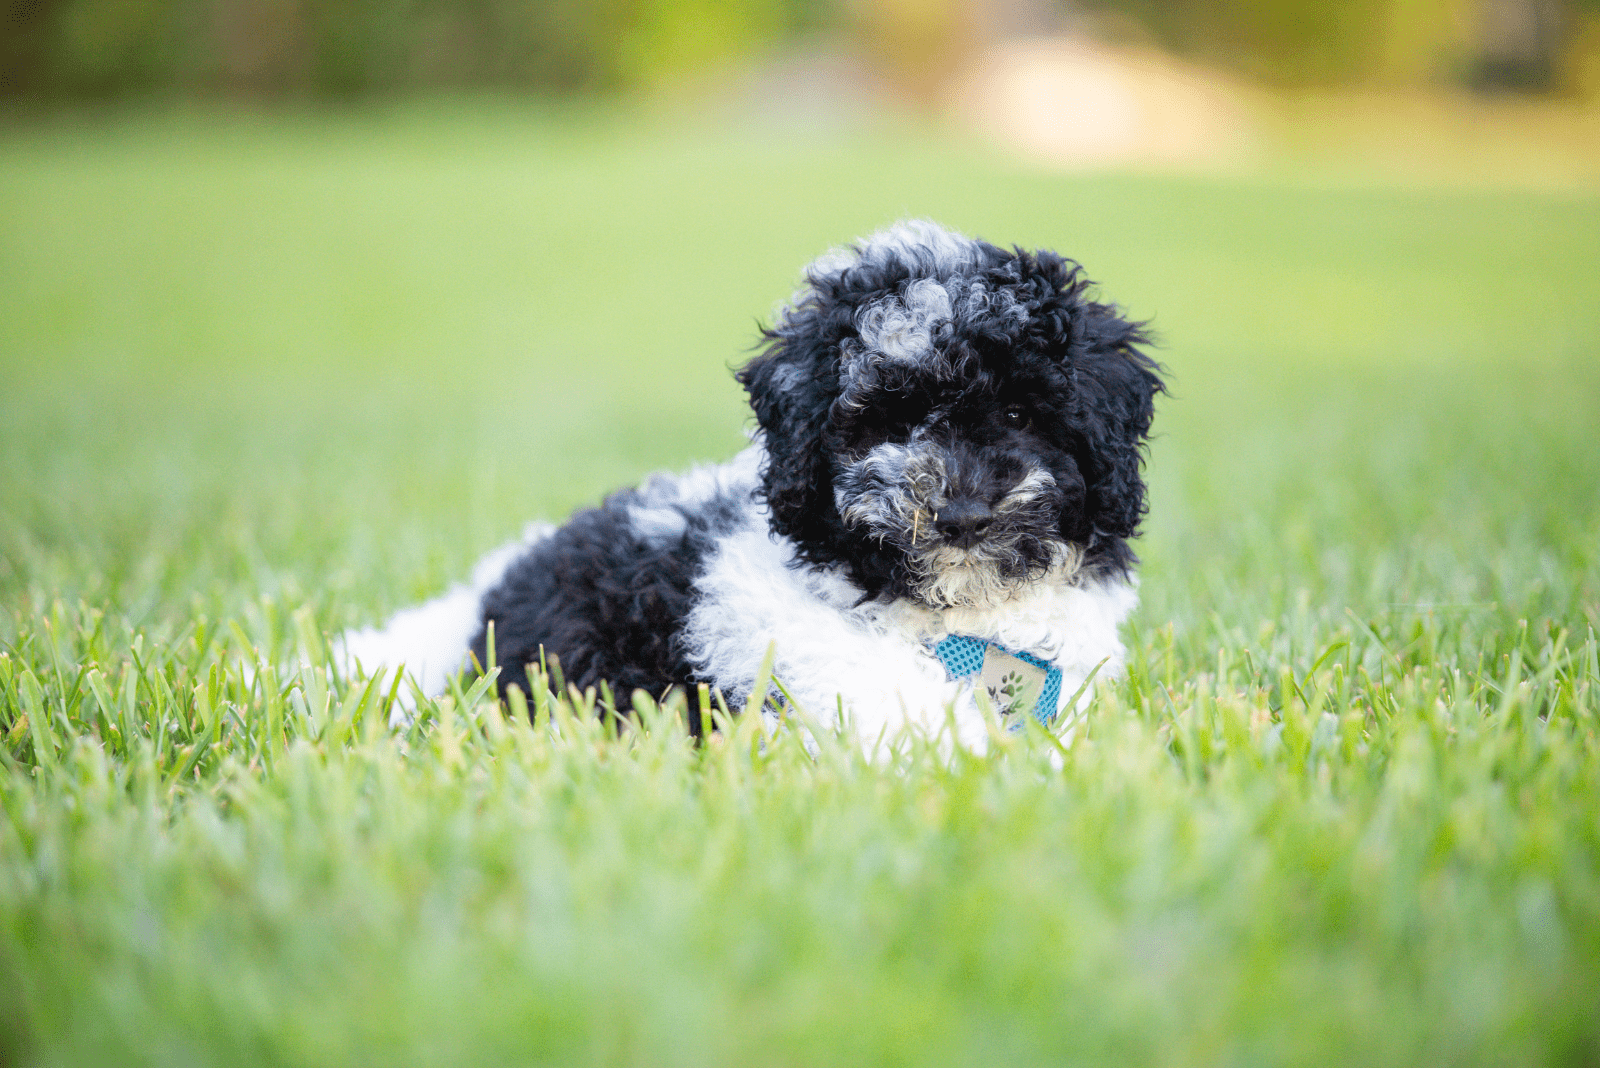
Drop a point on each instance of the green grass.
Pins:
(268, 377)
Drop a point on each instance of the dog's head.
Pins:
(951, 421)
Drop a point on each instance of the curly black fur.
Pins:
(1073, 363)
(1024, 404)
(604, 600)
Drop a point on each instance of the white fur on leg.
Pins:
(430, 640)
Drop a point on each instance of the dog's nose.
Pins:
(963, 522)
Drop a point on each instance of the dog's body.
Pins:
(939, 495)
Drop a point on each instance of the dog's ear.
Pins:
(1116, 387)
(792, 383)
(1113, 385)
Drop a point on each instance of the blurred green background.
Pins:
(274, 372)
(262, 48)
(298, 277)
(305, 305)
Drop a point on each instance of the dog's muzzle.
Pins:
(973, 530)
(963, 521)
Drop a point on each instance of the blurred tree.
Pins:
(670, 37)
(91, 46)
(1582, 62)
(24, 44)
(1521, 44)
(917, 44)
(86, 48)
(1293, 42)
(1514, 44)
(53, 48)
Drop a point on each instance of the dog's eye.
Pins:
(900, 414)
(1015, 417)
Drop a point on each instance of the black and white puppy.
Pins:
(938, 501)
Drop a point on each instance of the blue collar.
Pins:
(964, 656)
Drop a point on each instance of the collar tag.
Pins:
(1016, 682)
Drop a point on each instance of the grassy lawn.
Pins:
(268, 377)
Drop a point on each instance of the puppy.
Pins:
(935, 509)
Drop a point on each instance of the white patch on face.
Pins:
(975, 577)
(895, 492)
(901, 328)
(976, 299)
(971, 578)
(947, 250)
(1035, 484)
(913, 485)
(919, 242)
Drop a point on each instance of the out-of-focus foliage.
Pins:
(916, 44)
(106, 48)
(334, 47)
(1488, 44)
(1285, 40)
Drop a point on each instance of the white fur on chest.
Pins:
(875, 656)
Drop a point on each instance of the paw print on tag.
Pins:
(1010, 693)
(1014, 685)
